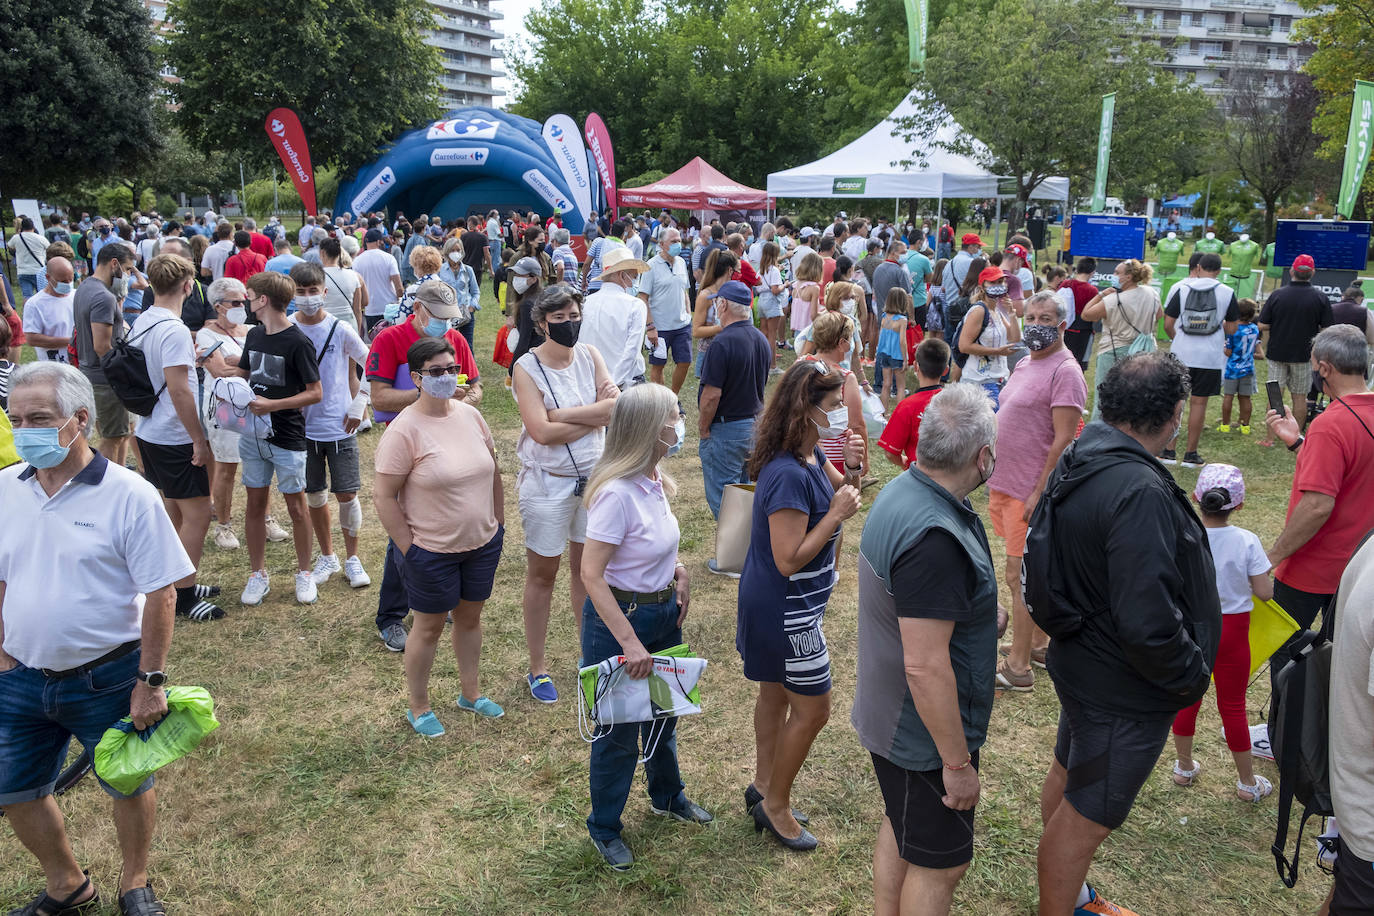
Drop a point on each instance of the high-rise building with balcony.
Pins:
(463, 33)
(1208, 38)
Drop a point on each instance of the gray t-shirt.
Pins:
(888, 275)
(94, 302)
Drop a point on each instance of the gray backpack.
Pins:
(1199, 313)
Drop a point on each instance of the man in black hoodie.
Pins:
(1132, 560)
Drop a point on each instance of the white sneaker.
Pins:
(306, 593)
(225, 539)
(357, 576)
(276, 532)
(256, 589)
(325, 567)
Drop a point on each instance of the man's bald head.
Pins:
(60, 270)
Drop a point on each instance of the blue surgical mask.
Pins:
(1115, 282)
(39, 445)
(62, 288)
(675, 249)
(436, 327)
(680, 427)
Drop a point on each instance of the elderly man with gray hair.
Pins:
(564, 258)
(731, 393)
(88, 558)
(928, 625)
(1329, 510)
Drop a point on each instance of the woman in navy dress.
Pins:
(800, 500)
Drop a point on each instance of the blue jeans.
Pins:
(723, 458)
(615, 756)
(28, 285)
(466, 331)
(393, 604)
(39, 716)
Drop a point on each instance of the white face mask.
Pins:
(454, 257)
(849, 307)
(309, 305)
(837, 421)
(520, 284)
(236, 315)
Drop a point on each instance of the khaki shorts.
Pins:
(1296, 377)
(1007, 513)
(111, 419)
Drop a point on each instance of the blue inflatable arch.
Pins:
(471, 161)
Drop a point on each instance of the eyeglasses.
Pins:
(438, 371)
(233, 303)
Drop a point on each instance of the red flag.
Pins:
(284, 129)
(599, 142)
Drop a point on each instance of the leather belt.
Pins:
(634, 599)
(111, 656)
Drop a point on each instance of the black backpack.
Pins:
(126, 372)
(959, 356)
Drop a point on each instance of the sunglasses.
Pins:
(820, 365)
(438, 371)
(233, 303)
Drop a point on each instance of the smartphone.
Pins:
(1275, 397)
(206, 355)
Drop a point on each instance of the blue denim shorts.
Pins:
(260, 459)
(39, 717)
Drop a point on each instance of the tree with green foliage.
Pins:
(1026, 79)
(1343, 34)
(78, 80)
(696, 78)
(356, 71)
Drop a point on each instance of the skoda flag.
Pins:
(1357, 145)
(1104, 152)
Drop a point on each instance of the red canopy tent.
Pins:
(695, 186)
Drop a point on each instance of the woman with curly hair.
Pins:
(800, 501)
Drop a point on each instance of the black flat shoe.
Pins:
(753, 796)
(43, 905)
(141, 901)
(615, 852)
(804, 843)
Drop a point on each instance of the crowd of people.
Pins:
(261, 366)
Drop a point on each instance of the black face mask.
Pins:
(565, 332)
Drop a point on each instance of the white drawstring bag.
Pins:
(610, 697)
(232, 397)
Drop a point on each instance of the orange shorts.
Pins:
(1007, 521)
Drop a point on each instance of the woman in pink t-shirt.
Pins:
(637, 597)
(438, 493)
(1041, 408)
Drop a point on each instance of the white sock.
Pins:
(329, 556)
(1084, 896)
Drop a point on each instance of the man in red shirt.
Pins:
(903, 430)
(393, 390)
(244, 262)
(1078, 337)
(1329, 510)
(260, 243)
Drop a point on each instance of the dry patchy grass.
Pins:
(315, 795)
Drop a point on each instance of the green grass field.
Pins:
(315, 795)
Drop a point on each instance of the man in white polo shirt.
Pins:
(88, 558)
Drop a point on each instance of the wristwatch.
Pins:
(152, 678)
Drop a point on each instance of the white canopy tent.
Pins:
(871, 167)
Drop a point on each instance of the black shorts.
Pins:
(1206, 382)
(1078, 340)
(336, 460)
(169, 469)
(928, 834)
(436, 582)
(1108, 758)
(1352, 893)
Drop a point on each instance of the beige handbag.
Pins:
(734, 526)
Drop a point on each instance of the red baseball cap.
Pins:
(991, 275)
(1304, 262)
(1020, 252)
(970, 239)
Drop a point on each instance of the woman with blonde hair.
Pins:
(1129, 312)
(637, 598)
(844, 298)
(806, 292)
(990, 329)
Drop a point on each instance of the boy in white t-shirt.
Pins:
(1242, 574)
(331, 448)
(171, 440)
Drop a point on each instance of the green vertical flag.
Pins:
(917, 19)
(1357, 144)
(1104, 152)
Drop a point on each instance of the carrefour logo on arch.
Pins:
(463, 129)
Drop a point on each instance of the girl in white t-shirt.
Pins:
(1242, 574)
